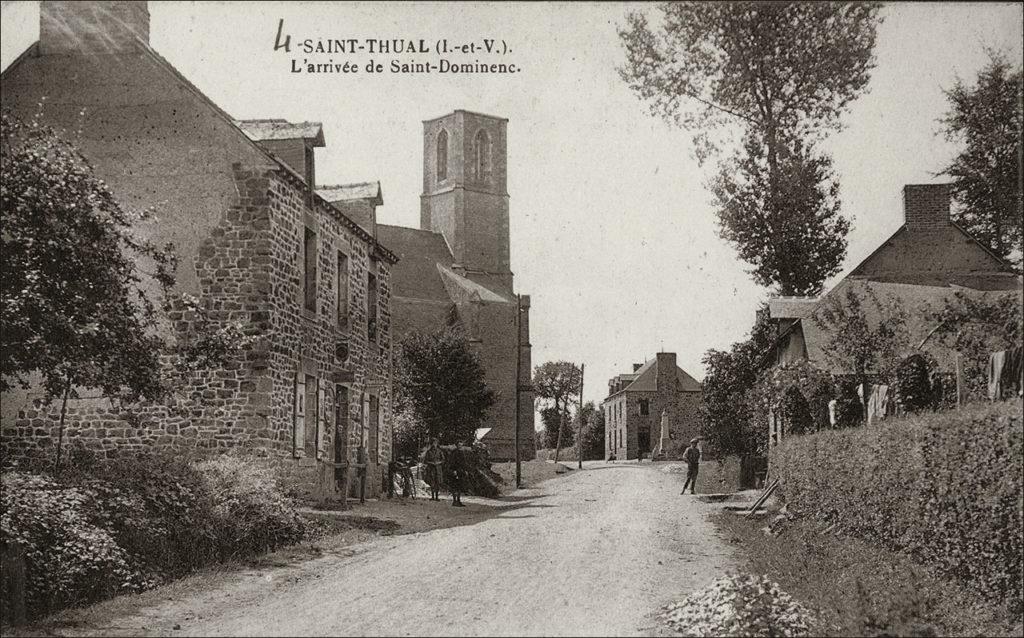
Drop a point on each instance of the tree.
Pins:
(729, 422)
(784, 72)
(793, 233)
(555, 383)
(987, 120)
(867, 337)
(975, 326)
(74, 305)
(552, 420)
(440, 381)
(77, 305)
(593, 431)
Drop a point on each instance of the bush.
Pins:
(944, 487)
(70, 558)
(104, 528)
(251, 512)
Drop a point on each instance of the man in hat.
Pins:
(692, 458)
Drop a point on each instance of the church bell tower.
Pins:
(465, 193)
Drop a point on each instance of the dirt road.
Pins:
(594, 553)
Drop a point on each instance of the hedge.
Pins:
(943, 487)
(104, 528)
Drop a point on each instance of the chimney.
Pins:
(92, 27)
(926, 206)
(637, 366)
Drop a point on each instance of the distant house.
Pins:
(638, 401)
(926, 260)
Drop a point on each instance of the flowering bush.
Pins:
(105, 528)
(738, 606)
(944, 487)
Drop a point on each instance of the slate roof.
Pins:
(645, 379)
(915, 299)
(278, 129)
(345, 192)
(791, 307)
(419, 251)
(423, 281)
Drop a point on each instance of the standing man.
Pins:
(692, 458)
(456, 475)
(433, 459)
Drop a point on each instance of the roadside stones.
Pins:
(738, 606)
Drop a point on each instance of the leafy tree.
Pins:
(74, 306)
(555, 383)
(987, 120)
(867, 337)
(791, 232)
(440, 382)
(975, 326)
(730, 422)
(81, 293)
(552, 420)
(784, 72)
(593, 431)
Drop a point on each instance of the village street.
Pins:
(594, 553)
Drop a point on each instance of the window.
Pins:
(645, 407)
(342, 286)
(442, 155)
(482, 155)
(309, 274)
(371, 305)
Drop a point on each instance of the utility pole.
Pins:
(579, 413)
(519, 383)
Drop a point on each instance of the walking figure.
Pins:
(433, 459)
(692, 458)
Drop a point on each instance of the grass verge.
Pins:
(857, 589)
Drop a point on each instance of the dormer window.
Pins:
(482, 156)
(442, 155)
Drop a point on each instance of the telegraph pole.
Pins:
(519, 383)
(579, 411)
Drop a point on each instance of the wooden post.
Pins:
(13, 563)
(959, 380)
(579, 413)
(519, 383)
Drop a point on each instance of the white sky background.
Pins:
(612, 232)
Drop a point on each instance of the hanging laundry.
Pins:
(1013, 373)
(996, 361)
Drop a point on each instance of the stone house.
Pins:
(455, 269)
(638, 402)
(928, 259)
(255, 242)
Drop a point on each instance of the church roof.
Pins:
(346, 192)
(424, 282)
(419, 252)
(278, 129)
(460, 288)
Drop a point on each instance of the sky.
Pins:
(612, 231)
